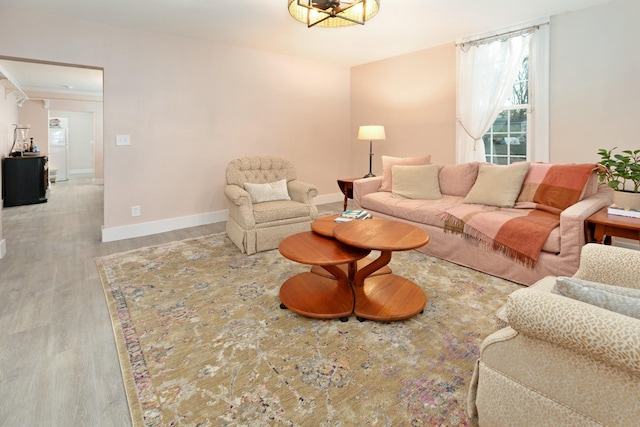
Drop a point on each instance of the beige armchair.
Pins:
(561, 361)
(266, 203)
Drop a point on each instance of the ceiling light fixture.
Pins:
(333, 13)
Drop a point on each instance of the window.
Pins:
(486, 129)
(506, 140)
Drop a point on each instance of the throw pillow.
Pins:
(267, 192)
(416, 182)
(613, 298)
(498, 185)
(388, 162)
(457, 180)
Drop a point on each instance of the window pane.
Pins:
(506, 140)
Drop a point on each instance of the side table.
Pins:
(601, 224)
(346, 186)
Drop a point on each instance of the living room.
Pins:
(255, 103)
(190, 106)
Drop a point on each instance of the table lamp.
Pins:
(371, 133)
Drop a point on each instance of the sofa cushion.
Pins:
(280, 210)
(428, 212)
(415, 182)
(388, 162)
(457, 180)
(267, 192)
(498, 185)
(614, 298)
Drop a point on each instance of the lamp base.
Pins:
(369, 175)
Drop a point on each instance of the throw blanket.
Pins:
(520, 232)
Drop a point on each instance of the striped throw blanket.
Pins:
(520, 232)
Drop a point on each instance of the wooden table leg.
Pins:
(388, 296)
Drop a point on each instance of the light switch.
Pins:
(123, 140)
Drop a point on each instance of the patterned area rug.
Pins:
(202, 342)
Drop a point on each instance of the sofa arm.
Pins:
(241, 209)
(301, 191)
(362, 187)
(610, 264)
(583, 328)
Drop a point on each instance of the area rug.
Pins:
(202, 341)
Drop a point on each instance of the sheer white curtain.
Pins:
(486, 74)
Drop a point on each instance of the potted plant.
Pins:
(622, 173)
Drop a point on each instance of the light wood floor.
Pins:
(58, 361)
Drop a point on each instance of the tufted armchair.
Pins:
(566, 360)
(267, 203)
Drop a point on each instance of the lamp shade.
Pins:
(371, 133)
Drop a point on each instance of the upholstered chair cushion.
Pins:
(615, 298)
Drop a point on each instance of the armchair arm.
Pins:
(610, 264)
(241, 208)
(301, 191)
(362, 187)
(583, 328)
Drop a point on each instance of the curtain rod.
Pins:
(505, 35)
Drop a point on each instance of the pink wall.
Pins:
(595, 81)
(190, 107)
(414, 97)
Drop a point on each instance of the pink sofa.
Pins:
(560, 254)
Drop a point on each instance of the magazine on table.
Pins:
(351, 214)
(616, 210)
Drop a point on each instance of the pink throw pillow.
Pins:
(388, 162)
(457, 180)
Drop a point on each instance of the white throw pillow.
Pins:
(498, 185)
(613, 298)
(268, 192)
(416, 182)
(388, 162)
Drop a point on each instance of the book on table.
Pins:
(351, 214)
(616, 210)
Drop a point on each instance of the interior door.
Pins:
(58, 152)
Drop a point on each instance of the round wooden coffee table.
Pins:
(314, 295)
(388, 296)
(325, 226)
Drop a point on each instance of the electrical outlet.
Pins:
(135, 210)
(123, 140)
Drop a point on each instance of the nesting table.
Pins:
(355, 284)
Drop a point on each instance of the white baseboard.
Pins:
(328, 198)
(98, 181)
(3, 248)
(80, 171)
(155, 227)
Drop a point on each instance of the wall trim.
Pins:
(156, 227)
(328, 198)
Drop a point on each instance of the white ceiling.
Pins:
(401, 26)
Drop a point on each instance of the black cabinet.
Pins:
(25, 180)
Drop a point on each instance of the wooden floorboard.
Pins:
(58, 360)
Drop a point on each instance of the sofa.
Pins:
(569, 354)
(560, 197)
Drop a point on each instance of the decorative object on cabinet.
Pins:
(20, 133)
